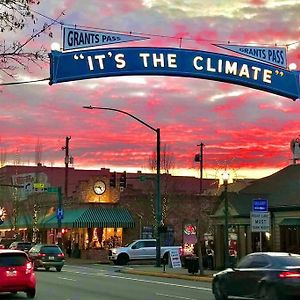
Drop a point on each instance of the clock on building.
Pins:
(99, 187)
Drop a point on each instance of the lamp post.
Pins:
(225, 177)
(158, 197)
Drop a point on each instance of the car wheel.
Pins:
(122, 259)
(217, 290)
(30, 293)
(58, 269)
(47, 268)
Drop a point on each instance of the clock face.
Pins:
(99, 187)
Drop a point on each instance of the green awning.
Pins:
(23, 221)
(290, 222)
(105, 217)
(70, 216)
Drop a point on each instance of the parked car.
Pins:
(262, 275)
(24, 246)
(16, 273)
(139, 250)
(47, 256)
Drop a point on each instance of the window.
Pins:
(13, 259)
(259, 261)
(150, 244)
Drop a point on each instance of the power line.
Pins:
(24, 82)
(161, 35)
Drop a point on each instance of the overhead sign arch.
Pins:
(78, 65)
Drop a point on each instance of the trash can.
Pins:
(192, 263)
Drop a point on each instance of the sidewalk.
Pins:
(149, 269)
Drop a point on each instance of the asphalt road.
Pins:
(94, 282)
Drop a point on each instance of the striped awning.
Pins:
(70, 216)
(105, 217)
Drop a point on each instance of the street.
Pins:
(94, 282)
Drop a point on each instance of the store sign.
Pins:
(85, 64)
(272, 55)
(75, 38)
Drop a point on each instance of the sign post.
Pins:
(260, 218)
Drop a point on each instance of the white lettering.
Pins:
(145, 57)
(195, 63)
(230, 68)
(119, 58)
(209, 67)
(256, 70)
(100, 60)
(158, 60)
(172, 61)
(267, 76)
(90, 62)
(244, 71)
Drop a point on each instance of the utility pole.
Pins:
(199, 158)
(67, 161)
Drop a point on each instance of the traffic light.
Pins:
(113, 179)
(123, 180)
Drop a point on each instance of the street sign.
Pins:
(87, 64)
(75, 38)
(52, 189)
(260, 205)
(260, 222)
(60, 213)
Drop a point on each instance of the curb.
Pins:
(168, 275)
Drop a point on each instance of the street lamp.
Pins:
(225, 177)
(158, 197)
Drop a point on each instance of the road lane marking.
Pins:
(174, 296)
(141, 280)
(65, 278)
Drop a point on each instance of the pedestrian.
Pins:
(210, 258)
(69, 248)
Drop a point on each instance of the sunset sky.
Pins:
(245, 131)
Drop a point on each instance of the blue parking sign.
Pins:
(260, 205)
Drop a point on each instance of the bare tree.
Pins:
(167, 163)
(14, 15)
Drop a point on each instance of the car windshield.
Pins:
(287, 261)
(12, 259)
(50, 250)
(24, 245)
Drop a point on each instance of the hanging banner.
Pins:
(272, 55)
(74, 38)
(99, 63)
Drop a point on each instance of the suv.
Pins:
(16, 273)
(47, 256)
(24, 246)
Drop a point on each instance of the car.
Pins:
(260, 275)
(16, 273)
(47, 256)
(24, 246)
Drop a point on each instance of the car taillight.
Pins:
(28, 268)
(42, 254)
(60, 255)
(289, 274)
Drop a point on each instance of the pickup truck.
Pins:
(139, 250)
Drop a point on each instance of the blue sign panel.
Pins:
(77, 65)
(59, 213)
(260, 205)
